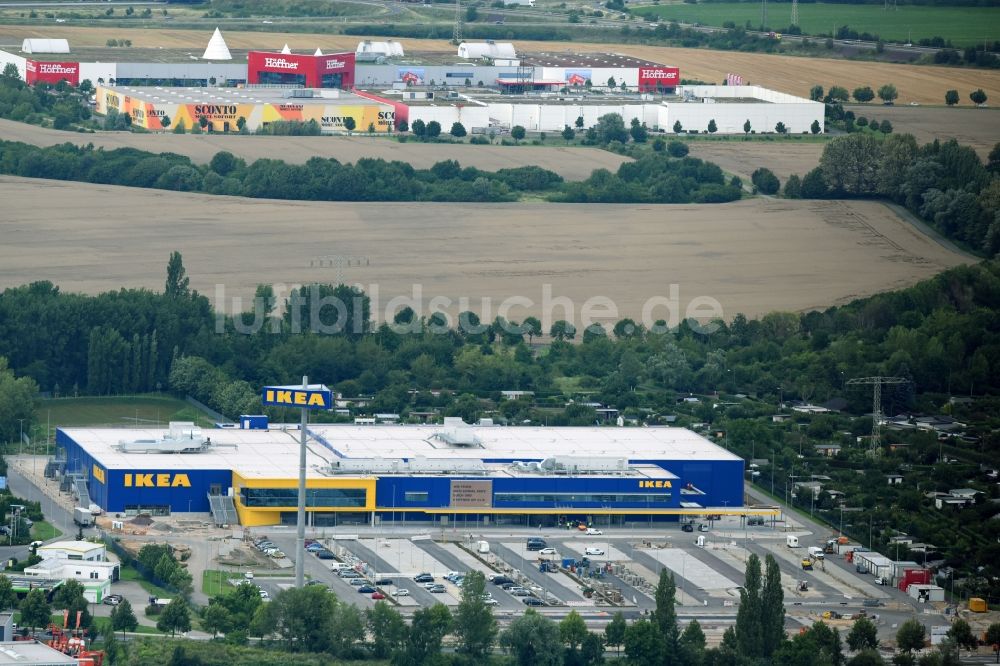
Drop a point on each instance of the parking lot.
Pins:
(572, 569)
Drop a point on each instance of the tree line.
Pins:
(944, 183)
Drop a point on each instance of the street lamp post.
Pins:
(20, 443)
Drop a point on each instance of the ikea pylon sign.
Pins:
(315, 396)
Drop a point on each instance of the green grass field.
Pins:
(214, 582)
(147, 410)
(43, 531)
(962, 25)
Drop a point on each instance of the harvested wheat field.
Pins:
(744, 157)
(753, 256)
(571, 163)
(976, 128)
(790, 74)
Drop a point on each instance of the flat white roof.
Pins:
(32, 652)
(75, 546)
(274, 453)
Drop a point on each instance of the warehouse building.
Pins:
(441, 474)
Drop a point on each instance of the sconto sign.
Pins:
(312, 397)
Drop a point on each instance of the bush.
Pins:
(677, 149)
(765, 181)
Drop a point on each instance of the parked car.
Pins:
(508, 586)
(377, 595)
(317, 582)
(402, 592)
(593, 550)
(423, 578)
(594, 531)
(264, 596)
(532, 601)
(367, 589)
(315, 547)
(428, 586)
(491, 602)
(519, 592)
(437, 589)
(501, 580)
(349, 573)
(384, 581)
(548, 550)
(702, 527)
(324, 555)
(112, 600)
(687, 527)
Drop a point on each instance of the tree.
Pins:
(568, 134)
(175, 617)
(475, 626)
(644, 644)
(471, 13)
(665, 614)
(659, 145)
(241, 123)
(223, 163)
(815, 127)
(8, 598)
(888, 93)
(993, 637)
(765, 181)
(677, 149)
(611, 82)
(910, 636)
(749, 623)
(678, 128)
(864, 95)
(780, 128)
(35, 610)
(712, 127)
(837, 94)
(816, 93)
(458, 129)
(533, 640)
(863, 635)
(572, 631)
(850, 164)
(349, 124)
(772, 608)
(747, 127)
(961, 633)
(423, 638)
(793, 187)
(868, 657)
(11, 73)
(614, 631)
(692, 643)
(814, 185)
(433, 129)
(978, 97)
(638, 131)
(885, 127)
(217, 619)
(123, 618)
(531, 327)
(177, 282)
(579, 122)
(951, 97)
(610, 127)
(387, 629)
(419, 128)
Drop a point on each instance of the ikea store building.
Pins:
(441, 474)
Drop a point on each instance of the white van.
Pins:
(340, 566)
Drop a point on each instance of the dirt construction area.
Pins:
(794, 75)
(569, 162)
(752, 256)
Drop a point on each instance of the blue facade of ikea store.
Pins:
(514, 497)
(182, 488)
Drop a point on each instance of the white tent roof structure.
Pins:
(285, 50)
(45, 46)
(389, 49)
(476, 50)
(318, 52)
(217, 48)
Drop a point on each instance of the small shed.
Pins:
(925, 593)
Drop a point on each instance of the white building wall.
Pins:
(797, 113)
(98, 70)
(18, 61)
(469, 116)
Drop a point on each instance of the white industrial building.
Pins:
(95, 577)
(388, 49)
(73, 550)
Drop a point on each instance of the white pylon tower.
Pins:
(763, 14)
(875, 445)
(456, 35)
(795, 12)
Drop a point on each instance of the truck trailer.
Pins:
(83, 517)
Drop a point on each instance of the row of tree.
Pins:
(944, 183)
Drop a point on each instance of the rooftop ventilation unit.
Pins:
(182, 437)
(458, 433)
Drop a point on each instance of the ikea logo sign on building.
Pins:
(655, 484)
(98, 474)
(139, 480)
(315, 396)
